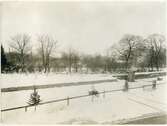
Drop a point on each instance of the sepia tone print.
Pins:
(83, 62)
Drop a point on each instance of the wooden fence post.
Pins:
(154, 83)
(35, 108)
(25, 109)
(126, 86)
(68, 101)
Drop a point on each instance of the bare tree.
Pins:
(21, 44)
(47, 46)
(128, 47)
(75, 59)
(64, 59)
(155, 45)
(86, 62)
(72, 58)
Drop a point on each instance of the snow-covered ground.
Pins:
(13, 80)
(112, 107)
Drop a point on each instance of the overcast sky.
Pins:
(90, 27)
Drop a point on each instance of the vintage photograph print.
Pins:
(81, 62)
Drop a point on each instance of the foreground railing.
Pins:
(76, 97)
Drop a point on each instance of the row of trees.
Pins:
(21, 57)
(130, 51)
(145, 53)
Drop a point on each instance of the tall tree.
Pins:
(127, 48)
(21, 44)
(71, 59)
(47, 45)
(3, 59)
(86, 61)
(76, 59)
(155, 43)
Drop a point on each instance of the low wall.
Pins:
(31, 87)
(142, 75)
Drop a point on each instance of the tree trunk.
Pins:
(45, 68)
(48, 63)
(22, 61)
(70, 68)
(70, 64)
(157, 64)
(76, 68)
(126, 65)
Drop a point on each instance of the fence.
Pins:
(74, 97)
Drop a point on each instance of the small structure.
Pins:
(94, 92)
(34, 98)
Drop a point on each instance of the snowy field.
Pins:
(103, 110)
(13, 80)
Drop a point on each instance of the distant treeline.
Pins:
(131, 51)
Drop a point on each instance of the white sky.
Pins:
(89, 27)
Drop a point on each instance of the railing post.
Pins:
(154, 83)
(104, 94)
(143, 87)
(68, 101)
(25, 109)
(126, 86)
(35, 108)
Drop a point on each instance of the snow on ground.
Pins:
(12, 80)
(112, 107)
